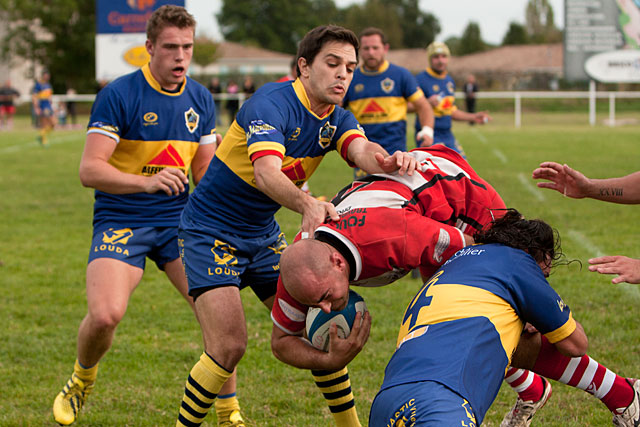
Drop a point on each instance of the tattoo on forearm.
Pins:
(614, 192)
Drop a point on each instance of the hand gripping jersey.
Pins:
(378, 99)
(443, 85)
(276, 120)
(154, 129)
(461, 329)
(390, 224)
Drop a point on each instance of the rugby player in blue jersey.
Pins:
(459, 333)
(147, 129)
(379, 94)
(439, 88)
(229, 236)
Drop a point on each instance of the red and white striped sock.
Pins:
(586, 374)
(527, 384)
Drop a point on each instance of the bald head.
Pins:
(314, 273)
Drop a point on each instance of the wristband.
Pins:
(425, 131)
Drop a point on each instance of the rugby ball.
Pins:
(318, 322)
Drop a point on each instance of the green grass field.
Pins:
(46, 230)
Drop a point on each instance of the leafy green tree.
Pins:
(471, 40)
(374, 13)
(418, 28)
(453, 43)
(516, 34)
(205, 51)
(539, 22)
(59, 35)
(273, 24)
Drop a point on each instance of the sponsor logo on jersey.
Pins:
(169, 157)
(191, 120)
(258, 127)
(359, 87)
(326, 133)
(373, 109)
(435, 88)
(291, 312)
(450, 87)
(387, 85)
(561, 305)
(294, 136)
(404, 416)
(150, 119)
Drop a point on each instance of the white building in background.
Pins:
(236, 58)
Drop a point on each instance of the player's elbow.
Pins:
(86, 175)
(575, 345)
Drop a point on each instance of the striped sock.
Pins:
(336, 389)
(85, 374)
(205, 381)
(586, 374)
(527, 384)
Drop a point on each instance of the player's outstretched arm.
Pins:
(627, 269)
(372, 158)
(96, 172)
(295, 351)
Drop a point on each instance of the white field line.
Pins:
(499, 154)
(532, 189)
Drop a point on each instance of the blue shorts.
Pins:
(214, 258)
(445, 137)
(424, 403)
(133, 245)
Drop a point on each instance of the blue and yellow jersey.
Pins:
(443, 85)
(154, 129)
(43, 92)
(463, 326)
(276, 120)
(379, 101)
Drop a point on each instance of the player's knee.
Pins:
(106, 319)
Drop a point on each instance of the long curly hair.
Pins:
(533, 236)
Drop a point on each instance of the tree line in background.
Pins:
(67, 39)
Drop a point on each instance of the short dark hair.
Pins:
(169, 16)
(533, 236)
(315, 39)
(373, 31)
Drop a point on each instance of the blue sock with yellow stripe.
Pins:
(336, 389)
(205, 381)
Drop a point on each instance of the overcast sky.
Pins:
(493, 16)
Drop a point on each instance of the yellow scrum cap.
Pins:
(436, 48)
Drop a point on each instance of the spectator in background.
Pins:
(439, 88)
(623, 190)
(8, 96)
(248, 88)
(71, 106)
(470, 88)
(42, 98)
(216, 89)
(232, 103)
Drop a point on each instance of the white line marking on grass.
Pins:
(595, 251)
(530, 187)
(23, 146)
(500, 155)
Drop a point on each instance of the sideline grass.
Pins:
(46, 229)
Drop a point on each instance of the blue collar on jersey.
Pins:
(146, 71)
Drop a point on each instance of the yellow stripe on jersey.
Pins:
(149, 157)
(447, 304)
(346, 135)
(302, 96)
(563, 332)
(379, 109)
(233, 153)
(417, 95)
